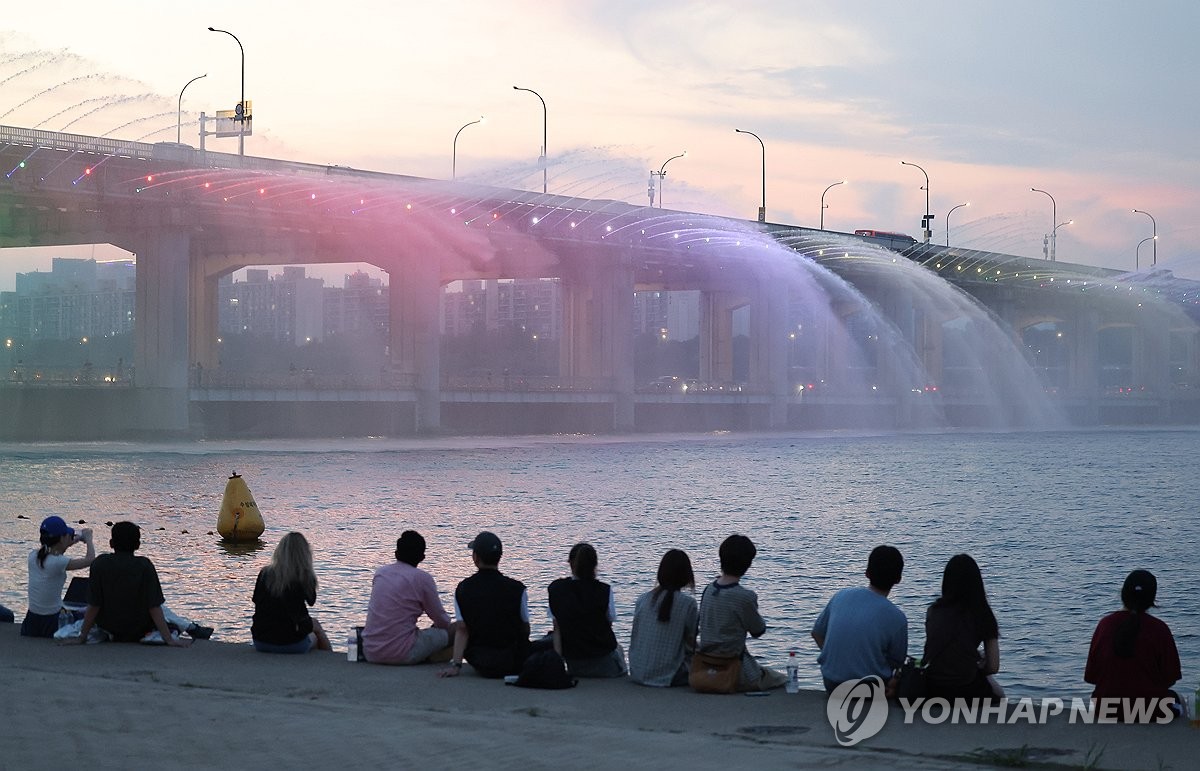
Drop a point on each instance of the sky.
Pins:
(1096, 103)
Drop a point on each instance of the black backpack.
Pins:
(545, 669)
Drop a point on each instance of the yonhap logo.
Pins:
(857, 710)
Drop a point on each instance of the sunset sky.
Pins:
(1095, 102)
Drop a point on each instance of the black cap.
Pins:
(1141, 584)
(487, 547)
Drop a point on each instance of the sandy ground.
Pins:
(224, 705)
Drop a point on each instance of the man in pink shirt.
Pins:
(400, 593)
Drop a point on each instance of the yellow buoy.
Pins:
(240, 519)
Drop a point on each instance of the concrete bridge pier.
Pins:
(1151, 359)
(204, 310)
(1084, 376)
(716, 335)
(769, 348)
(161, 330)
(597, 336)
(414, 342)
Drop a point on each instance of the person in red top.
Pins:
(1133, 654)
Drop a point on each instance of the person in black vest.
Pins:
(492, 612)
(584, 611)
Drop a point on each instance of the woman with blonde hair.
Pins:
(284, 591)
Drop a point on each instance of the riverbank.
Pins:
(224, 705)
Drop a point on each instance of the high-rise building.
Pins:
(78, 298)
(286, 308)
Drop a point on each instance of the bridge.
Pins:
(192, 217)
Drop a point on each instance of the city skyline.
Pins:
(990, 99)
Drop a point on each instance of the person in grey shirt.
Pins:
(665, 620)
(729, 611)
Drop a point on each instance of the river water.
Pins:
(1055, 520)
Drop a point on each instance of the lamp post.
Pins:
(956, 208)
(541, 160)
(823, 206)
(662, 172)
(241, 108)
(454, 150)
(1137, 257)
(1053, 219)
(925, 223)
(762, 210)
(179, 113)
(1054, 236)
(1154, 237)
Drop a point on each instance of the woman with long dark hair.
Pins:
(48, 566)
(583, 611)
(665, 622)
(284, 591)
(962, 638)
(1133, 654)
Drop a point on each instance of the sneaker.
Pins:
(197, 632)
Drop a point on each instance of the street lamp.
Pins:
(823, 206)
(1054, 236)
(1053, 219)
(1154, 248)
(454, 151)
(968, 203)
(662, 172)
(241, 108)
(179, 113)
(1137, 257)
(762, 210)
(925, 223)
(541, 160)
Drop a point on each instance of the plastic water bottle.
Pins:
(352, 645)
(793, 674)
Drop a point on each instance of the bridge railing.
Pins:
(54, 140)
(301, 379)
(529, 383)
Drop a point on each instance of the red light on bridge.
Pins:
(207, 185)
(87, 172)
(149, 177)
(262, 191)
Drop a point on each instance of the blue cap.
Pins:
(55, 526)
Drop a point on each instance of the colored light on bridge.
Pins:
(608, 228)
(207, 185)
(454, 211)
(262, 191)
(572, 225)
(408, 206)
(312, 197)
(149, 177)
(535, 220)
(87, 172)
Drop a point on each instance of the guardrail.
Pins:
(525, 383)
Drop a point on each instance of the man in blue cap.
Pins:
(492, 611)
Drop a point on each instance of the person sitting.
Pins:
(729, 611)
(584, 611)
(400, 593)
(283, 593)
(956, 625)
(492, 610)
(665, 621)
(125, 599)
(48, 566)
(1133, 654)
(860, 632)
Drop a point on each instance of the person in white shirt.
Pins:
(48, 566)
